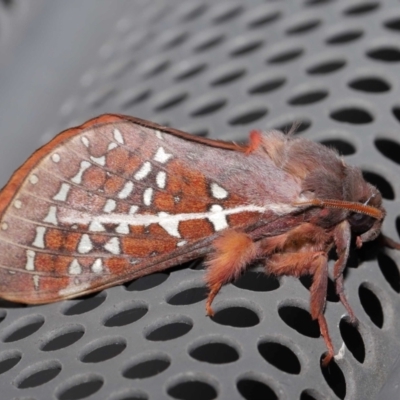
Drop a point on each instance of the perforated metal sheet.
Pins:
(217, 69)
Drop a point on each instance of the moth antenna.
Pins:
(344, 205)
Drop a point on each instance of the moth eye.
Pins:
(360, 223)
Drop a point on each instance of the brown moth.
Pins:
(119, 198)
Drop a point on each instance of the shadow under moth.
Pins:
(119, 198)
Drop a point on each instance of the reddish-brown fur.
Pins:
(254, 141)
(233, 252)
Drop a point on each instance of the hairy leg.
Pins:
(303, 250)
(234, 250)
(315, 264)
(342, 237)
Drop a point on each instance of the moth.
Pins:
(119, 198)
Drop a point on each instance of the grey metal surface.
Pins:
(391, 388)
(216, 69)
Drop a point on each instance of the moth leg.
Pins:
(318, 291)
(233, 251)
(388, 242)
(316, 264)
(342, 237)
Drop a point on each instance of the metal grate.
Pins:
(217, 69)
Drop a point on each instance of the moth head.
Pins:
(363, 224)
(365, 214)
